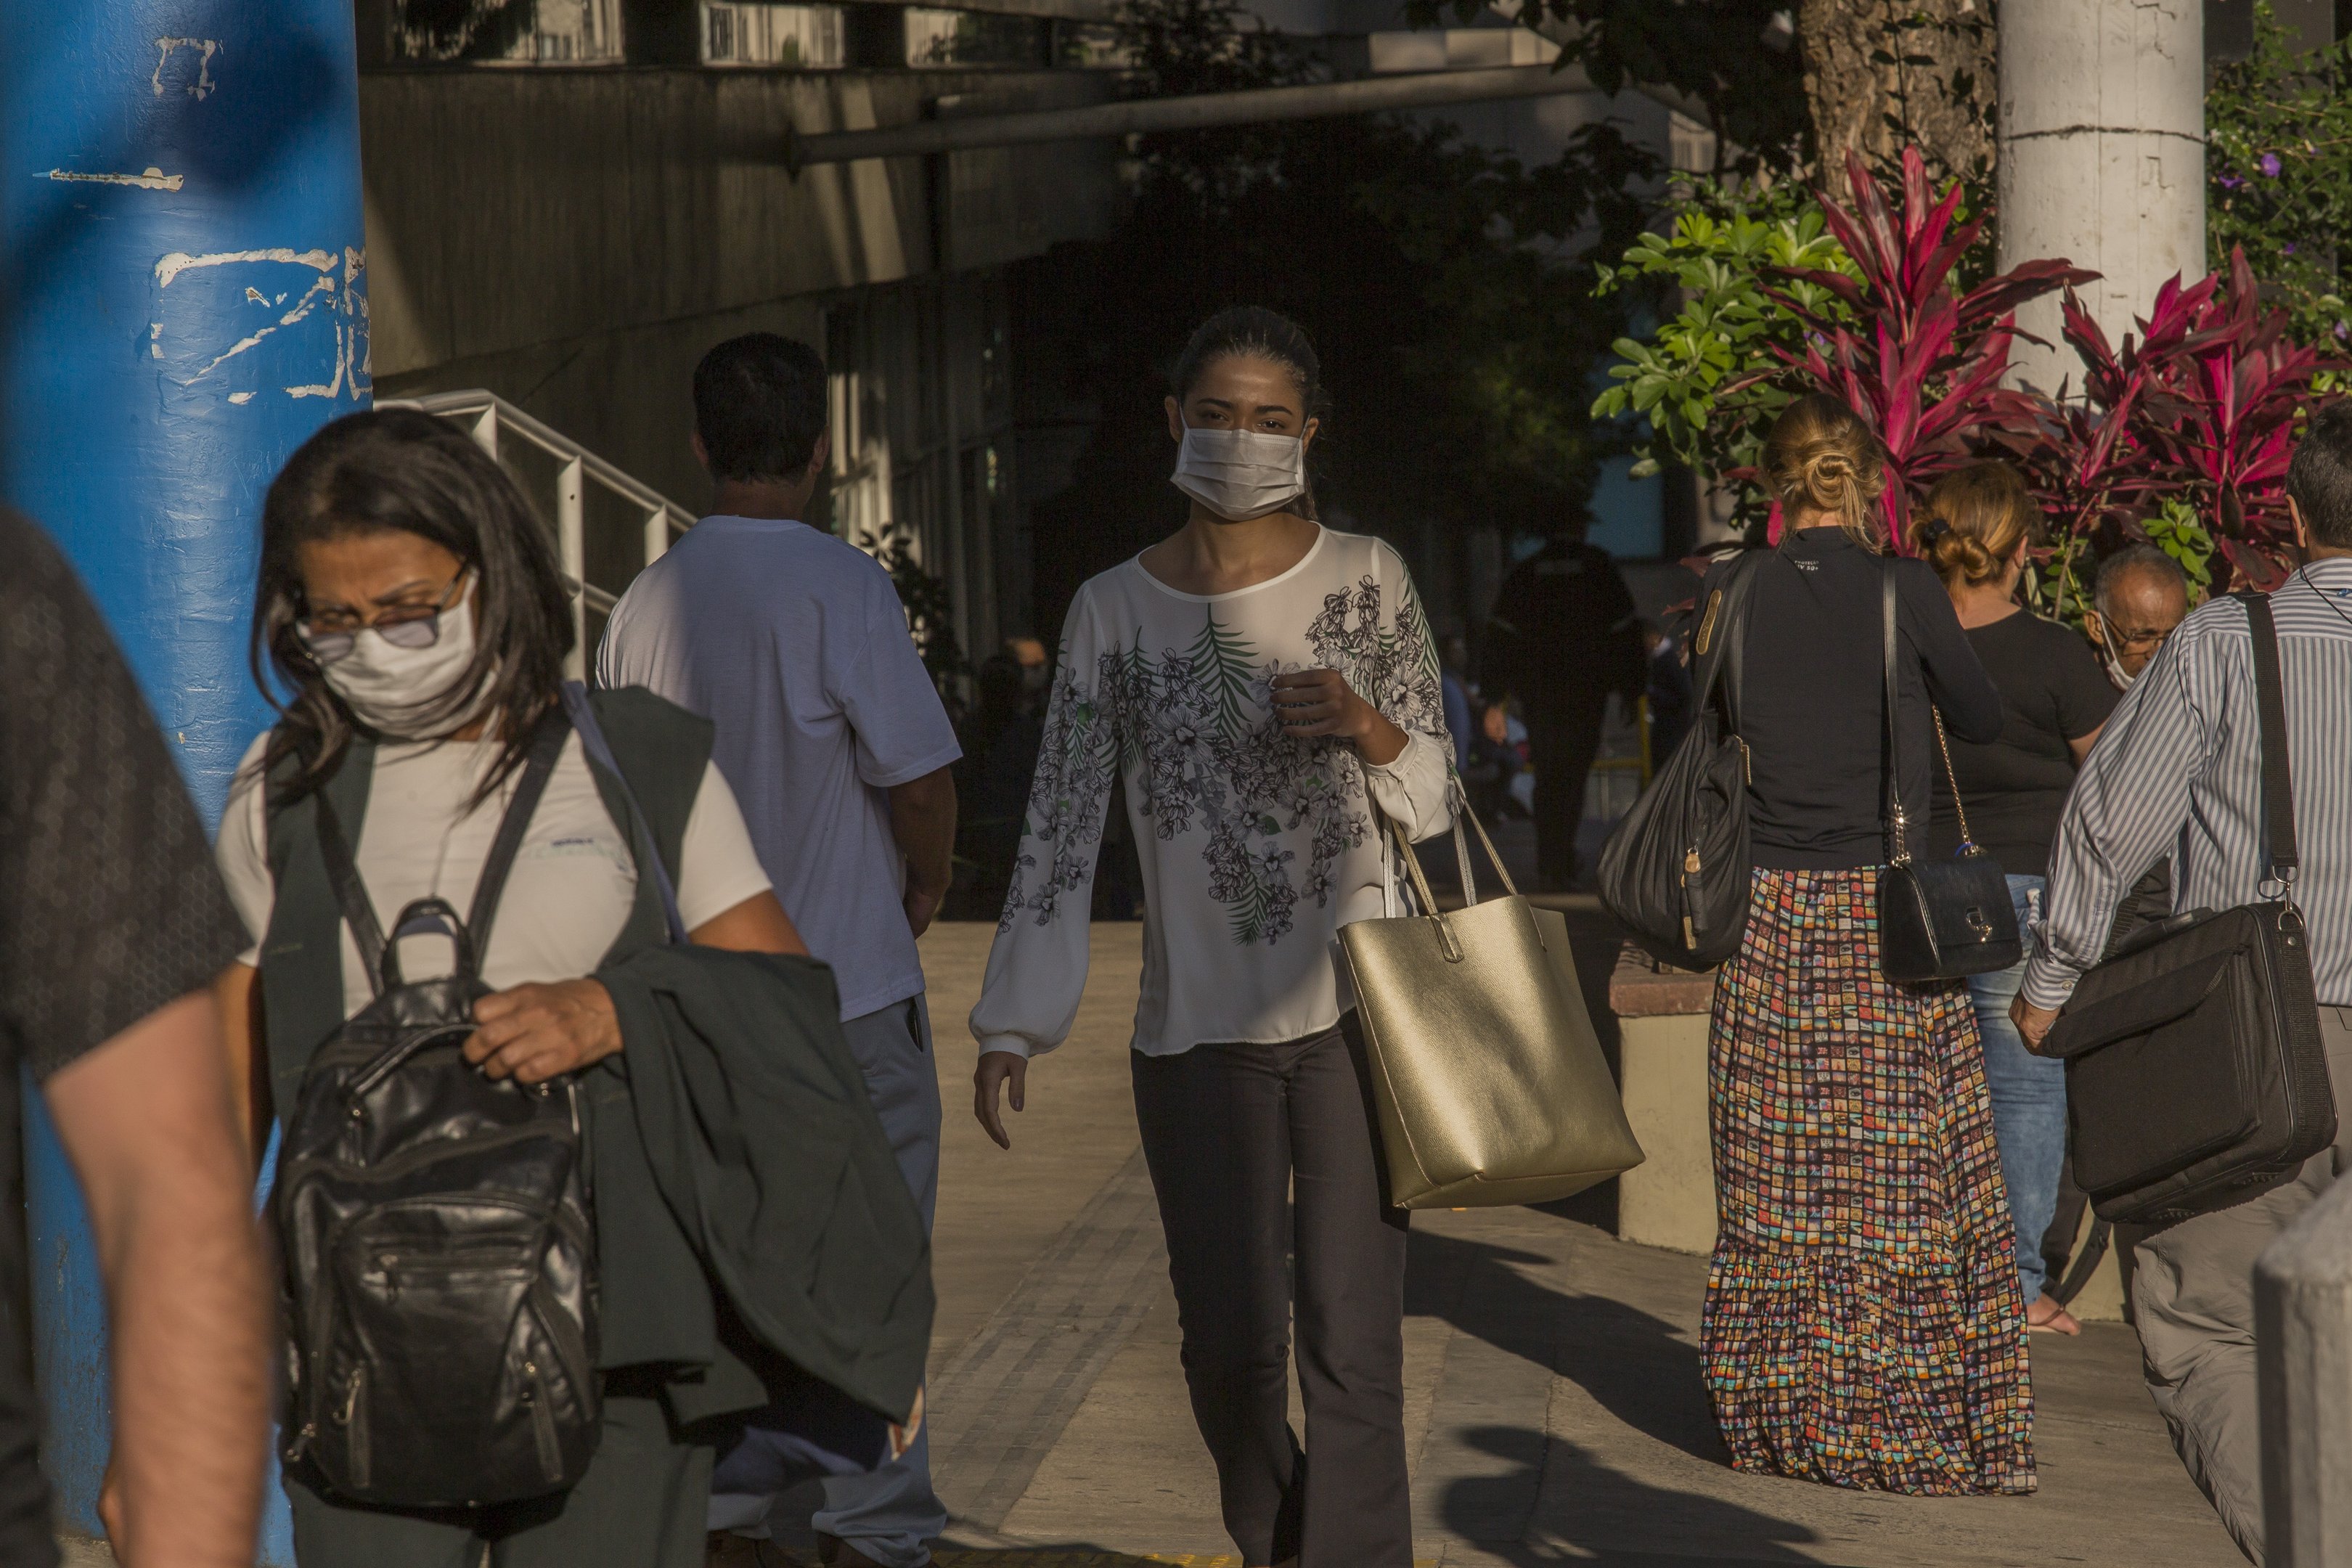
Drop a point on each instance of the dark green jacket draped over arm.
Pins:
(740, 1146)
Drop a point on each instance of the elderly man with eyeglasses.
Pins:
(2138, 596)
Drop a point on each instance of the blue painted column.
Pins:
(180, 227)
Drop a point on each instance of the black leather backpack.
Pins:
(1677, 869)
(440, 1265)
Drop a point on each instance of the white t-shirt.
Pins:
(793, 645)
(572, 887)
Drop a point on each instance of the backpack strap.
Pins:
(351, 888)
(350, 891)
(539, 766)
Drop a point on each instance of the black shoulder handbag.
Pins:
(1937, 920)
(2196, 1076)
(1677, 869)
(440, 1257)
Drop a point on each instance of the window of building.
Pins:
(803, 37)
(1090, 45)
(936, 38)
(507, 32)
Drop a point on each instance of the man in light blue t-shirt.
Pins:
(794, 644)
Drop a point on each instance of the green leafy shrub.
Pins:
(2278, 167)
(1704, 378)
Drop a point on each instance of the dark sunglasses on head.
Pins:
(402, 626)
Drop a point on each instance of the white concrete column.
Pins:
(2102, 157)
(2303, 1346)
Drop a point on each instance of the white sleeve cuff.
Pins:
(1012, 1044)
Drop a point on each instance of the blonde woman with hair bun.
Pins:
(1863, 1324)
(1976, 529)
(1821, 460)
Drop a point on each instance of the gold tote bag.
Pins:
(1487, 1076)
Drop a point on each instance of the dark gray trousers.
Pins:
(639, 1506)
(2193, 1302)
(1267, 1164)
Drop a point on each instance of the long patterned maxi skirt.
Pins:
(1863, 1325)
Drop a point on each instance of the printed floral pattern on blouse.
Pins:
(1193, 731)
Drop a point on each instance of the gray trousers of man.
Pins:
(890, 1513)
(2193, 1302)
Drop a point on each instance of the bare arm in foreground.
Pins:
(146, 1119)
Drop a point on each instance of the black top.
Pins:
(1564, 632)
(2051, 691)
(109, 908)
(1813, 716)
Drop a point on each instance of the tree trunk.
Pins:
(1883, 73)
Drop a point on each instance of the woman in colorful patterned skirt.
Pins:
(1863, 1325)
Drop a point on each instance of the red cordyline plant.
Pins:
(1921, 363)
(2202, 405)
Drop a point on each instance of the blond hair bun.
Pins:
(1974, 520)
(1821, 457)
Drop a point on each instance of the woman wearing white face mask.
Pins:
(1268, 691)
(409, 602)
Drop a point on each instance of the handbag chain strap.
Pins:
(1952, 777)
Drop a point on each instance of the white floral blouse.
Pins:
(1256, 847)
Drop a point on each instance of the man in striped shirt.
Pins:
(2178, 772)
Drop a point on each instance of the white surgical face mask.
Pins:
(1241, 474)
(2115, 671)
(396, 690)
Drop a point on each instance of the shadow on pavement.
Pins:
(1702, 1522)
(1637, 1367)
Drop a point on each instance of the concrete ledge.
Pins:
(1668, 1200)
(1642, 987)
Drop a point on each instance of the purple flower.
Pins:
(2290, 247)
(2343, 333)
(2269, 165)
(2232, 182)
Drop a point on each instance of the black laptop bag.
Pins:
(2195, 1079)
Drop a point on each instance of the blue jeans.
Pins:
(2029, 1096)
(889, 1513)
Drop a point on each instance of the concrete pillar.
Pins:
(180, 219)
(2102, 157)
(2303, 1345)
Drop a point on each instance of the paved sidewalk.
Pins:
(1553, 1402)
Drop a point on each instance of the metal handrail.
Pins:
(490, 417)
(1186, 111)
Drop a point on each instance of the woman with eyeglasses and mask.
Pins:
(1268, 691)
(411, 624)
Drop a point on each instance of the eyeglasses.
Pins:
(402, 626)
(2126, 641)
